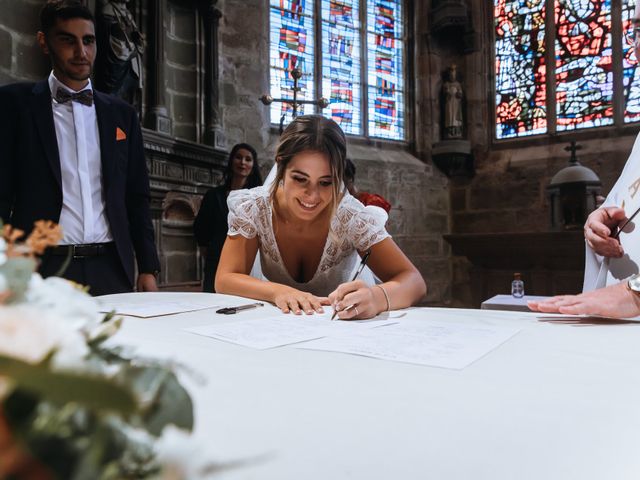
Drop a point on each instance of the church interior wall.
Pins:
(506, 192)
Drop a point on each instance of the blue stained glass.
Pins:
(292, 45)
(385, 48)
(292, 38)
(341, 63)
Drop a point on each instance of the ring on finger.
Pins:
(356, 309)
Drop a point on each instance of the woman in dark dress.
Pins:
(210, 226)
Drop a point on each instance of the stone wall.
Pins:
(181, 71)
(20, 56)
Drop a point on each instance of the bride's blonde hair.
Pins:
(313, 133)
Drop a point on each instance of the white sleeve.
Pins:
(244, 213)
(596, 266)
(365, 226)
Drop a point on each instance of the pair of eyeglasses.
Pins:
(632, 35)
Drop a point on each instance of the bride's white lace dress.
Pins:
(354, 227)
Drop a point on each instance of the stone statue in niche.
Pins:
(452, 94)
(119, 67)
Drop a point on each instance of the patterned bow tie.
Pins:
(84, 97)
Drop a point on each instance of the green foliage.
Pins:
(163, 399)
(62, 387)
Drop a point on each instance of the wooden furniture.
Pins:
(551, 263)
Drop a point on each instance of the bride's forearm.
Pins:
(404, 290)
(247, 286)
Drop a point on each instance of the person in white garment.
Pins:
(311, 234)
(611, 281)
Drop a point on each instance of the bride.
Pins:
(311, 234)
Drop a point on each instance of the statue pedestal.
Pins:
(454, 158)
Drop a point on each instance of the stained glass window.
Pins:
(521, 93)
(341, 63)
(360, 62)
(385, 51)
(292, 45)
(582, 69)
(630, 72)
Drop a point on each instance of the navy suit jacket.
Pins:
(30, 176)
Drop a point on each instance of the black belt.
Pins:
(83, 250)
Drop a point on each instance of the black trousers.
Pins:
(103, 274)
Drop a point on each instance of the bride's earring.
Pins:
(281, 183)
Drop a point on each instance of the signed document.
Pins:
(436, 343)
(284, 329)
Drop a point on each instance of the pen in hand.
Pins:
(363, 263)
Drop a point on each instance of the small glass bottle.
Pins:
(517, 286)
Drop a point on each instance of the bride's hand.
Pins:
(296, 301)
(355, 300)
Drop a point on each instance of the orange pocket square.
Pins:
(120, 135)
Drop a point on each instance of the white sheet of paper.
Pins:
(155, 309)
(277, 331)
(426, 342)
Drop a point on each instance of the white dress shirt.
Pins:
(83, 217)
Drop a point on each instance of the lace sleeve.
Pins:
(364, 226)
(245, 209)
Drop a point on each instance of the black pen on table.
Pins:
(363, 263)
(230, 310)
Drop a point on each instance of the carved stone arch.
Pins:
(179, 208)
(180, 257)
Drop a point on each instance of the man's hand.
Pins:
(601, 224)
(147, 283)
(613, 301)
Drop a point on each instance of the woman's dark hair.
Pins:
(64, 10)
(350, 176)
(254, 179)
(349, 171)
(313, 133)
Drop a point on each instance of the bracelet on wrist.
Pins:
(386, 297)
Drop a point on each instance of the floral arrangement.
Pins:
(72, 407)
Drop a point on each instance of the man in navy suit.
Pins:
(74, 155)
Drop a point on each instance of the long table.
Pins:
(553, 402)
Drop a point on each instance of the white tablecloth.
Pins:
(554, 402)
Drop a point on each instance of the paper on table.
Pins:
(425, 342)
(284, 329)
(155, 309)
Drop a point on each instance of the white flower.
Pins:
(72, 305)
(29, 334)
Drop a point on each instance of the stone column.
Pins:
(211, 16)
(157, 115)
